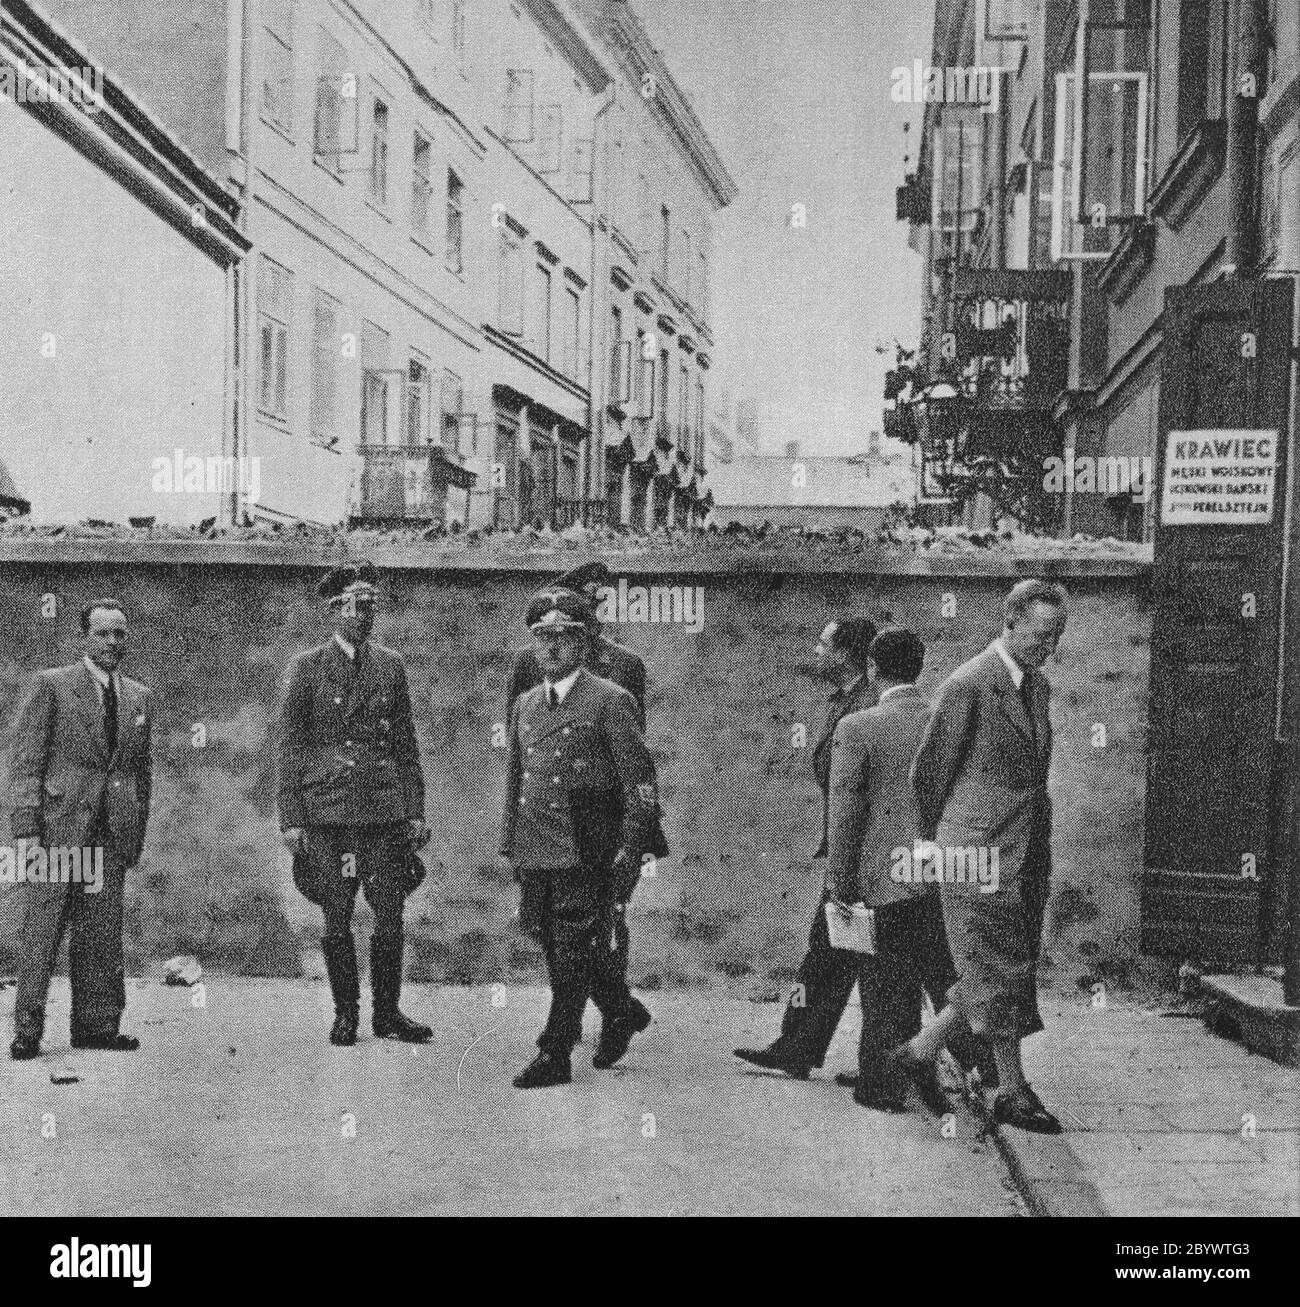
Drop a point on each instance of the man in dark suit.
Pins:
(606, 659)
(79, 780)
(981, 786)
(826, 975)
(352, 798)
(874, 820)
(579, 813)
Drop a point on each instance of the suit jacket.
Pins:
(873, 810)
(61, 777)
(839, 705)
(348, 752)
(980, 774)
(605, 659)
(581, 782)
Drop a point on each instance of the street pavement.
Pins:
(241, 1106)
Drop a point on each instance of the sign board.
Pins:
(1219, 478)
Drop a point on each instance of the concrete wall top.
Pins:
(658, 560)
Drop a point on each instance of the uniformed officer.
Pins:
(604, 657)
(352, 798)
(579, 813)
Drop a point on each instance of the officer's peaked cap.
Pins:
(595, 573)
(558, 611)
(339, 580)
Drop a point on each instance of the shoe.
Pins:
(848, 1079)
(925, 1076)
(616, 1035)
(772, 1059)
(341, 967)
(396, 1025)
(343, 1032)
(386, 986)
(24, 1048)
(879, 1102)
(545, 1070)
(114, 1043)
(1021, 1107)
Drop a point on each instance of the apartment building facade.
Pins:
(1130, 175)
(413, 333)
(660, 184)
(118, 286)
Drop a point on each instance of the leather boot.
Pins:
(341, 967)
(385, 986)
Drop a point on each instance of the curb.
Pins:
(1043, 1168)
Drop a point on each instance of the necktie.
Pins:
(552, 697)
(1027, 697)
(110, 716)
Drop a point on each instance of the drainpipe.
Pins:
(1243, 124)
(597, 374)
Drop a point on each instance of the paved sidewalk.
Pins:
(1161, 1117)
(244, 1107)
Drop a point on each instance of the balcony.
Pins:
(407, 484)
(579, 512)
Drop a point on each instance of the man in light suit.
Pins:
(579, 813)
(873, 817)
(826, 975)
(80, 778)
(981, 786)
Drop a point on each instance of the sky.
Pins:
(795, 95)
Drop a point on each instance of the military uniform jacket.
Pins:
(61, 777)
(605, 659)
(581, 782)
(348, 753)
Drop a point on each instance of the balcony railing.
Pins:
(407, 483)
(579, 512)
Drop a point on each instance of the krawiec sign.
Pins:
(1219, 478)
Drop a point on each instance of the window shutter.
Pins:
(519, 105)
(580, 172)
(550, 146)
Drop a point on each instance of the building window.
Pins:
(703, 291)
(274, 316)
(510, 284)
(277, 64)
(663, 388)
(421, 184)
(683, 407)
(375, 398)
(665, 241)
(428, 12)
(453, 400)
(542, 313)
(550, 144)
(616, 354)
(572, 326)
(519, 105)
(688, 266)
(336, 100)
(455, 221)
(418, 395)
(699, 421)
(458, 29)
(326, 352)
(1202, 54)
(379, 154)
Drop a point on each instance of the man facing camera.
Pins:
(79, 782)
(981, 787)
(874, 826)
(580, 811)
(352, 799)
